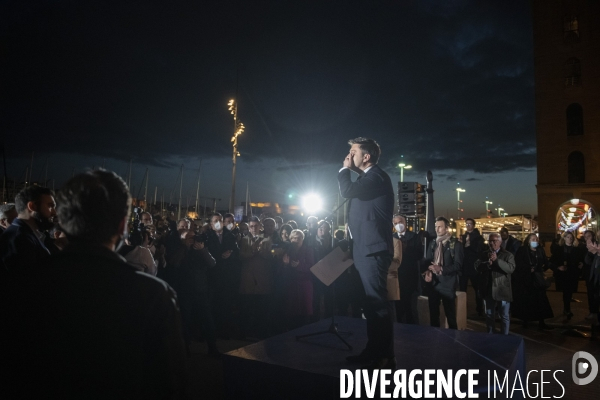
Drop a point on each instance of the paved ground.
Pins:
(545, 350)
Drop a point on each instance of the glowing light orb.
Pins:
(312, 203)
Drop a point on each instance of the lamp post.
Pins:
(458, 192)
(238, 129)
(487, 207)
(402, 166)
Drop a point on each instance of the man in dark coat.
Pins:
(22, 244)
(496, 266)
(408, 272)
(8, 213)
(224, 278)
(370, 212)
(440, 269)
(472, 242)
(509, 243)
(85, 323)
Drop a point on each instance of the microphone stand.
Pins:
(333, 329)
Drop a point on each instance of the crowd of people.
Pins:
(84, 268)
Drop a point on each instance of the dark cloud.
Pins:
(447, 84)
(447, 177)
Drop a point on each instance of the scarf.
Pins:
(438, 257)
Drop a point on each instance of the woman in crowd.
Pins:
(297, 260)
(530, 302)
(567, 261)
(284, 233)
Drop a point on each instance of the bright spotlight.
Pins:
(312, 203)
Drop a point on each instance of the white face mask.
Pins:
(399, 227)
(217, 226)
(533, 244)
(229, 226)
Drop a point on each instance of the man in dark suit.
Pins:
(22, 244)
(370, 211)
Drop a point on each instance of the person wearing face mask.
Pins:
(224, 278)
(530, 301)
(408, 272)
(229, 223)
(22, 244)
(256, 278)
(495, 267)
(567, 262)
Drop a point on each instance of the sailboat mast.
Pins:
(180, 190)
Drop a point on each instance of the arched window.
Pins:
(576, 167)
(572, 72)
(574, 120)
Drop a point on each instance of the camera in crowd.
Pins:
(137, 229)
(201, 238)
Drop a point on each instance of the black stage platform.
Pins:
(283, 368)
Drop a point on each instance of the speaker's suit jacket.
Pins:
(370, 210)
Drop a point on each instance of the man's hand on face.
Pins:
(349, 163)
(493, 256)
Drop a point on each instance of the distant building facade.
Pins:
(567, 102)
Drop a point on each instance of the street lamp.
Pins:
(402, 166)
(487, 207)
(458, 192)
(238, 129)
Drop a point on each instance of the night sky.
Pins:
(448, 84)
